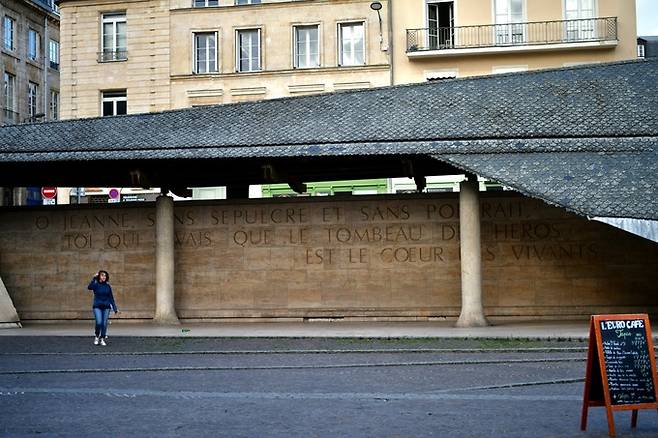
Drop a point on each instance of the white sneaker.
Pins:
(103, 342)
(96, 340)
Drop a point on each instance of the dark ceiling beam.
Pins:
(208, 172)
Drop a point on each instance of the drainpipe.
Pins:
(389, 7)
(46, 50)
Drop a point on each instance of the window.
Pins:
(205, 3)
(54, 54)
(352, 43)
(115, 103)
(33, 45)
(247, 2)
(114, 38)
(8, 91)
(54, 105)
(580, 14)
(509, 12)
(205, 52)
(441, 23)
(307, 46)
(640, 51)
(9, 28)
(248, 50)
(32, 99)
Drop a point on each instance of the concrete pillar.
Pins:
(472, 314)
(8, 315)
(165, 312)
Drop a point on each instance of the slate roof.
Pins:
(585, 138)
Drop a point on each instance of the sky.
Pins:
(647, 17)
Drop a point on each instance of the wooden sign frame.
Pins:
(597, 391)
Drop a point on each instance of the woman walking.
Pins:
(103, 301)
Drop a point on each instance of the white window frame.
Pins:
(114, 100)
(206, 3)
(32, 99)
(9, 91)
(641, 51)
(426, 20)
(33, 44)
(195, 64)
(295, 46)
(340, 42)
(12, 33)
(54, 105)
(505, 32)
(238, 49)
(247, 2)
(53, 53)
(113, 18)
(578, 30)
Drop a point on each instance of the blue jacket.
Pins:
(103, 298)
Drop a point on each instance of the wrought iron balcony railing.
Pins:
(9, 117)
(112, 55)
(512, 34)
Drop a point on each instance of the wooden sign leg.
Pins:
(634, 419)
(583, 416)
(611, 422)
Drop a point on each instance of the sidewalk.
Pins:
(555, 330)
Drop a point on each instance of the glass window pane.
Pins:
(517, 11)
(121, 36)
(501, 7)
(122, 107)
(108, 37)
(108, 109)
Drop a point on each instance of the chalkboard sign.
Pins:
(621, 366)
(627, 362)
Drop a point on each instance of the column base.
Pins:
(166, 320)
(467, 320)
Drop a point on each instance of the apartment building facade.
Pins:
(151, 55)
(30, 50)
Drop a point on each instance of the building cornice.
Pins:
(286, 72)
(265, 5)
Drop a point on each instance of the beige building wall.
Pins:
(158, 73)
(144, 75)
(278, 77)
(412, 14)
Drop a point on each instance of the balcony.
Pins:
(112, 55)
(512, 37)
(9, 117)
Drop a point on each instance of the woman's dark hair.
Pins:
(107, 275)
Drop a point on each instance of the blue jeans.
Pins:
(101, 316)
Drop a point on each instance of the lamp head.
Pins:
(375, 6)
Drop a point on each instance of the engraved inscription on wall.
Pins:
(393, 256)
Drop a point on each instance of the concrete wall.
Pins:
(361, 257)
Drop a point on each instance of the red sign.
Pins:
(49, 192)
